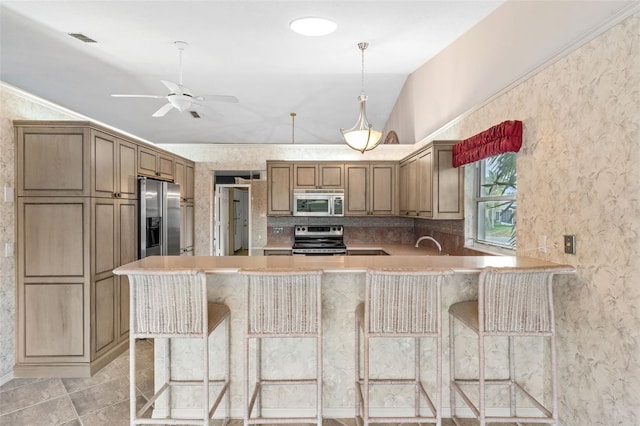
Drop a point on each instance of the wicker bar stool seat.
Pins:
(511, 302)
(283, 303)
(173, 304)
(400, 303)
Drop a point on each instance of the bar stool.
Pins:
(281, 303)
(400, 303)
(173, 304)
(511, 302)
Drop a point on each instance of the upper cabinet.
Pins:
(184, 175)
(370, 189)
(318, 175)
(155, 164)
(114, 174)
(53, 159)
(430, 186)
(279, 187)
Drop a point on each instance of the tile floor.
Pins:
(99, 400)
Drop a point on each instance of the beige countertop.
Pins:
(356, 264)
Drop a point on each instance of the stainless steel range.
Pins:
(323, 240)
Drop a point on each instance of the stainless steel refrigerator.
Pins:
(159, 218)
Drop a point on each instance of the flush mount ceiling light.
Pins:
(313, 26)
(361, 136)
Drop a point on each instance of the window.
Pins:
(495, 201)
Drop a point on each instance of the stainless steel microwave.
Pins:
(318, 202)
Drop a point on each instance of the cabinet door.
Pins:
(356, 189)
(127, 250)
(186, 229)
(53, 235)
(279, 186)
(425, 183)
(449, 184)
(165, 166)
(382, 190)
(331, 176)
(305, 176)
(179, 179)
(103, 158)
(104, 289)
(147, 161)
(53, 161)
(189, 171)
(126, 172)
(408, 191)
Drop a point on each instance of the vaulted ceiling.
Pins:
(240, 48)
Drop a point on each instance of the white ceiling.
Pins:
(246, 49)
(241, 48)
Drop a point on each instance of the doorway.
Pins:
(232, 223)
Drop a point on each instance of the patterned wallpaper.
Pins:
(578, 174)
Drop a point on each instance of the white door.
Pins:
(221, 219)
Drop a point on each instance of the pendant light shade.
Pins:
(361, 136)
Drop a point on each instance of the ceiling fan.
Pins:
(180, 97)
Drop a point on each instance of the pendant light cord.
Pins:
(363, 45)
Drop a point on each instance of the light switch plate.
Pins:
(8, 249)
(570, 244)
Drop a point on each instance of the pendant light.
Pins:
(361, 136)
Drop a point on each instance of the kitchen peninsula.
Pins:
(343, 288)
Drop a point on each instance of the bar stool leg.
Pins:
(452, 371)
(227, 373)
(365, 373)
(205, 381)
(319, 378)
(512, 377)
(132, 379)
(481, 381)
(416, 375)
(357, 368)
(259, 376)
(167, 366)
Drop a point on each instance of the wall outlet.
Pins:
(570, 244)
(278, 230)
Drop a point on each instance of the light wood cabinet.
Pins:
(436, 185)
(370, 189)
(155, 164)
(318, 175)
(114, 173)
(184, 176)
(279, 187)
(54, 271)
(186, 229)
(53, 160)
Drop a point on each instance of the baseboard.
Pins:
(6, 378)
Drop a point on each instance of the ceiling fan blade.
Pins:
(163, 110)
(218, 98)
(138, 96)
(173, 87)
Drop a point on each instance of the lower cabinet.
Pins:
(186, 229)
(71, 317)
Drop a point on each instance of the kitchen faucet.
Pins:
(426, 237)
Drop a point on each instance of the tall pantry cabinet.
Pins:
(77, 220)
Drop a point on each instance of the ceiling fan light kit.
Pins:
(361, 136)
(313, 26)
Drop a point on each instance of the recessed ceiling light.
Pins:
(313, 26)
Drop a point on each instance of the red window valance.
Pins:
(501, 138)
